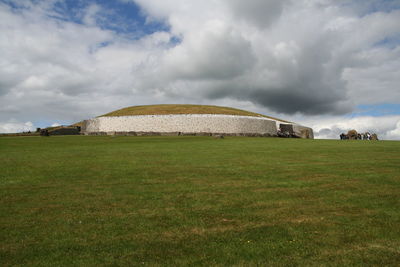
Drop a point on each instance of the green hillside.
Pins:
(168, 109)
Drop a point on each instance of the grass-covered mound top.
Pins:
(169, 109)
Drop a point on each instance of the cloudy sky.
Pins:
(333, 65)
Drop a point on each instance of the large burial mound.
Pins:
(191, 120)
(182, 109)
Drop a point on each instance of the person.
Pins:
(374, 137)
(282, 134)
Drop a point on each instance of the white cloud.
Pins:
(387, 127)
(90, 16)
(13, 126)
(261, 13)
(216, 52)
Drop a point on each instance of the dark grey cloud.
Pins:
(303, 77)
(289, 102)
(260, 13)
(217, 53)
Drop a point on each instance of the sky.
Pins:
(333, 65)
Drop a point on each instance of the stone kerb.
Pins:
(184, 124)
(303, 132)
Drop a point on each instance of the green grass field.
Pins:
(198, 201)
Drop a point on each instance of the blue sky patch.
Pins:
(366, 7)
(376, 110)
(389, 42)
(122, 17)
(381, 5)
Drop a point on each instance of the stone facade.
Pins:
(303, 132)
(190, 124)
(184, 124)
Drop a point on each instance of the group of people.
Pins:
(353, 135)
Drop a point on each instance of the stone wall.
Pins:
(297, 130)
(303, 132)
(182, 124)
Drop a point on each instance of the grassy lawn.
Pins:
(198, 201)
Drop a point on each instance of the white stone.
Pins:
(191, 123)
(188, 123)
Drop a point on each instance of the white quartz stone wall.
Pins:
(194, 123)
